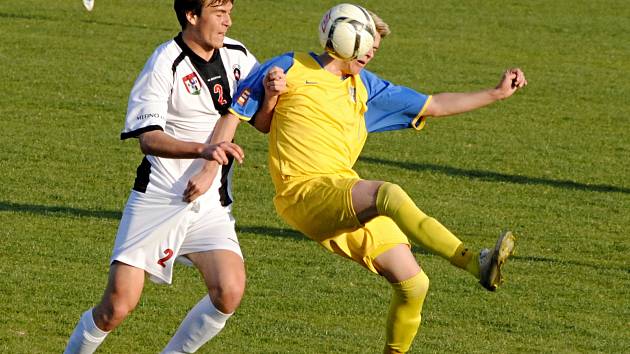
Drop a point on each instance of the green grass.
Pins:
(551, 163)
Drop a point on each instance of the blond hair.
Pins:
(381, 26)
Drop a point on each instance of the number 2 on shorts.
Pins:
(169, 253)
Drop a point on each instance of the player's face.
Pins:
(355, 66)
(210, 27)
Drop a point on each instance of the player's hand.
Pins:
(220, 152)
(275, 82)
(512, 80)
(199, 183)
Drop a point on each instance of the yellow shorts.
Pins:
(321, 208)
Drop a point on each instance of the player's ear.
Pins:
(191, 17)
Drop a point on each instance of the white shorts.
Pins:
(155, 231)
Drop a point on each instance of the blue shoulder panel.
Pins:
(391, 107)
(251, 92)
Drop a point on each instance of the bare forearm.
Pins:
(160, 144)
(225, 129)
(446, 104)
(450, 103)
(275, 84)
(263, 117)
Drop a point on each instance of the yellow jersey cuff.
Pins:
(239, 116)
(419, 122)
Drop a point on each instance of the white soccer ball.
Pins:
(347, 31)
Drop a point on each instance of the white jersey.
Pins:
(184, 95)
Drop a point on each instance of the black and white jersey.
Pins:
(184, 95)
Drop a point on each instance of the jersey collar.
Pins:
(179, 39)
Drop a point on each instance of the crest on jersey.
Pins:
(237, 71)
(192, 83)
(242, 99)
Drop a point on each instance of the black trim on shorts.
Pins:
(136, 133)
(142, 176)
(224, 196)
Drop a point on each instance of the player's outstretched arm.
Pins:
(275, 84)
(446, 104)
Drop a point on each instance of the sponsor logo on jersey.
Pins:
(149, 116)
(237, 71)
(242, 99)
(308, 82)
(192, 83)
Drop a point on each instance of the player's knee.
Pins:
(120, 311)
(421, 287)
(389, 198)
(109, 316)
(227, 297)
(392, 188)
(415, 288)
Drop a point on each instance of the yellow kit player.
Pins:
(317, 131)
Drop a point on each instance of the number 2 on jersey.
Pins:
(218, 89)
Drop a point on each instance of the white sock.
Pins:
(201, 324)
(86, 336)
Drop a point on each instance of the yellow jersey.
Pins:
(320, 124)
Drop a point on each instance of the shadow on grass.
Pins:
(570, 262)
(557, 262)
(271, 231)
(496, 176)
(101, 23)
(56, 211)
(59, 211)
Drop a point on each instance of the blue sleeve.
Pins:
(251, 92)
(392, 107)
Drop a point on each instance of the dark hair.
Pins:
(182, 7)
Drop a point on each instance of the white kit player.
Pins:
(184, 88)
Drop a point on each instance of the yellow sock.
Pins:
(392, 201)
(466, 259)
(403, 319)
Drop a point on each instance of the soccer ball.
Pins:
(347, 31)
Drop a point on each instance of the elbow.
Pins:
(435, 109)
(145, 148)
(264, 130)
(145, 140)
(262, 125)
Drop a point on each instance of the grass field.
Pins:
(552, 163)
